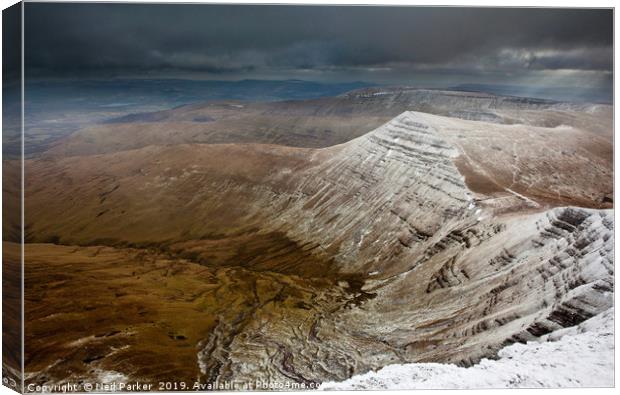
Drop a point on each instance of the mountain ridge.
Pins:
(366, 253)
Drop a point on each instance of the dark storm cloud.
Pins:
(76, 39)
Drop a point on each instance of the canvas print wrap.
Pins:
(274, 197)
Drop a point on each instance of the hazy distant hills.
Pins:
(56, 108)
(174, 92)
(322, 122)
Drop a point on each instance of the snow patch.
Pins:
(580, 356)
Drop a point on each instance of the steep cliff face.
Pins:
(501, 280)
(384, 196)
(378, 198)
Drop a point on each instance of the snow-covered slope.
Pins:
(448, 277)
(580, 356)
(386, 192)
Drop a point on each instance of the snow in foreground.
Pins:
(581, 356)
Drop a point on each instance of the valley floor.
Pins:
(580, 356)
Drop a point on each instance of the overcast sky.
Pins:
(423, 46)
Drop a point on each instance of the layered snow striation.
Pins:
(379, 194)
(578, 272)
(580, 356)
(498, 282)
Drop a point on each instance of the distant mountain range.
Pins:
(171, 92)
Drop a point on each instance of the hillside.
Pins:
(428, 239)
